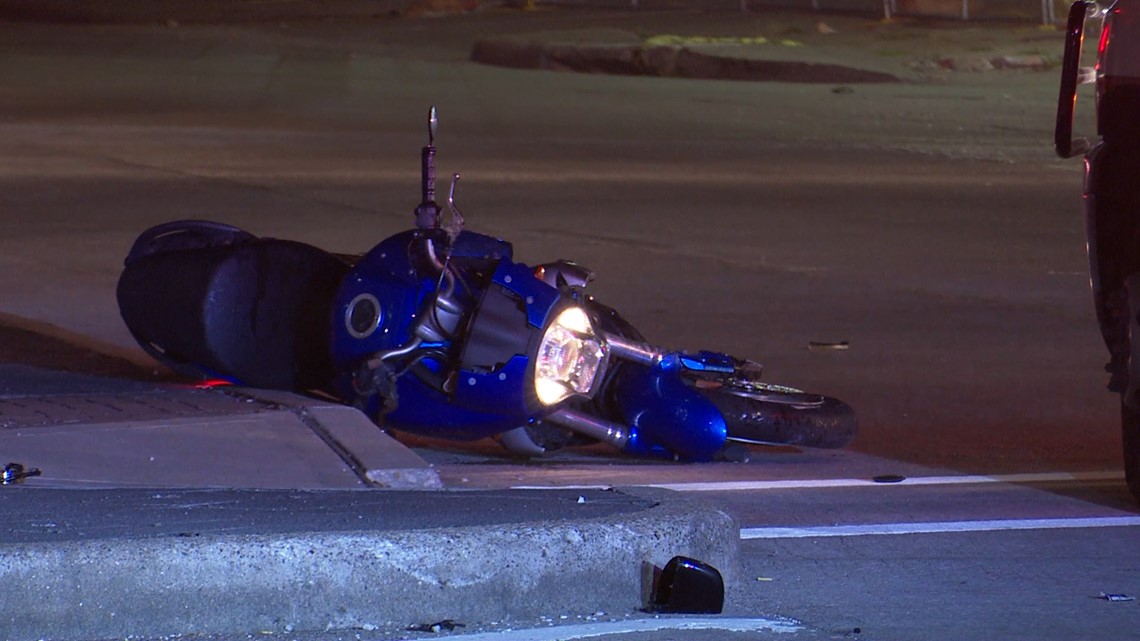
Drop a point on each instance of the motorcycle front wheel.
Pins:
(756, 412)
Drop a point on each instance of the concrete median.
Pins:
(206, 572)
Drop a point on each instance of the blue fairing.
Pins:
(390, 273)
(480, 385)
(538, 297)
(656, 401)
(425, 410)
(387, 273)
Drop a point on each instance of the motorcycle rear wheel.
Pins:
(775, 415)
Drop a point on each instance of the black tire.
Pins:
(1130, 397)
(770, 414)
(1130, 433)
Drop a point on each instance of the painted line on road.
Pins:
(587, 630)
(737, 486)
(940, 527)
(1044, 477)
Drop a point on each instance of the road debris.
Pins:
(1116, 598)
(687, 586)
(824, 346)
(437, 627)
(15, 473)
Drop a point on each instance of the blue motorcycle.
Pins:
(437, 331)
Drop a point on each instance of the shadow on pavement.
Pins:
(22, 343)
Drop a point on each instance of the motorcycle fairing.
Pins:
(425, 409)
(389, 273)
(494, 378)
(399, 273)
(488, 387)
(657, 401)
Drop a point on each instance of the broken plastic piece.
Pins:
(688, 586)
(1116, 598)
(817, 346)
(446, 625)
(16, 473)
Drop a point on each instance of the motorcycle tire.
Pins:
(775, 415)
(1130, 431)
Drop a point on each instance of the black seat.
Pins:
(254, 310)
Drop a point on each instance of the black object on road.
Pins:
(688, 586)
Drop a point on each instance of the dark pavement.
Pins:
(163, 509)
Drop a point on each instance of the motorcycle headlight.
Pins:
(569, 359)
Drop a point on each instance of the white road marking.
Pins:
(936, 527)
(736, 486)
(587, 630)
(897, 528)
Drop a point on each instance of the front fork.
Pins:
(661, 414)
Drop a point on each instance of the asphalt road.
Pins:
(927, 224)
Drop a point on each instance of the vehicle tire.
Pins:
(1129, 412)
(771, 414)
(1130, 431)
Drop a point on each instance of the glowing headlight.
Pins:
(570, 357)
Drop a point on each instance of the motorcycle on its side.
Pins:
(437, 331)
(1111, 195)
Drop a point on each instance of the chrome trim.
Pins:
(631, 351)
(351, 308)
(591, 426)
(404, 350)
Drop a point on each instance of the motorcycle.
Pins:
(1111, 195)
(437, 331)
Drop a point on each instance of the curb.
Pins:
(83, 431)
(322, 581)
(379, 460)
(663, 61)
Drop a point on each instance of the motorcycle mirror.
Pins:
(688, 586)
(1063, 142)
